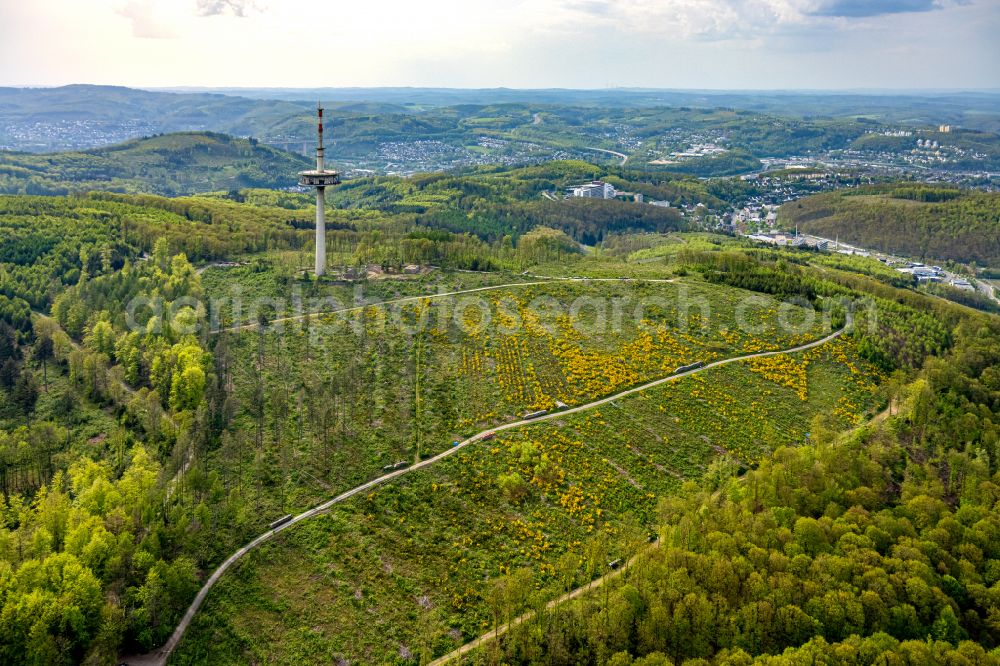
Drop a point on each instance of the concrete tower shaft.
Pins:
(321, 178)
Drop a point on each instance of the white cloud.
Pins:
(239, 8)
(514, 43)
(147, 23)
(682, 19)
(719, 19)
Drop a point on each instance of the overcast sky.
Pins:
(760, 44)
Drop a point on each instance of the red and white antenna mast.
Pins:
(319, 145)
(320, 179)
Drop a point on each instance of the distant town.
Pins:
(758, 221)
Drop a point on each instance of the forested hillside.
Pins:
(169, 164)
(874, 546)
(49, 243)
(87, 557)
(924, 222)
(255, 111)
(492, 203)
(87, 116)
(154, 418)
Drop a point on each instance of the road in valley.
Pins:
(980, 285)
(987, 289)
(160, 656)
(622, 156)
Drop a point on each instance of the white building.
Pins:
(963, 284)
(597, 189)
(922, 272)
(779, 239)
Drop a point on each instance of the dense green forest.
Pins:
(170, 164)
(51, 242)
(917, 221)
(88, 555)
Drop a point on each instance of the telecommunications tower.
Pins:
(320, 179)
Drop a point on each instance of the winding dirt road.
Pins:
(524, 617)
(160, 656)
(573, 594)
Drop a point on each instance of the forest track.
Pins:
(541, 280)
(159, 657)
(985, 287)
(583, 589)
(528, 615)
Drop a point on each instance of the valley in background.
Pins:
(765, 452)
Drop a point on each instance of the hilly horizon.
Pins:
(82, 116)
(594, 333)
(168, 164)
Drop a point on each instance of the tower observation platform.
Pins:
(317, 178)
(320, 178)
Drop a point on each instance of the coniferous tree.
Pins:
(26, 395)
(44, 352)
(10, 372)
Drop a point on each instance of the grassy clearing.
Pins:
(315, 411)
(272, 280)
(420, 566)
